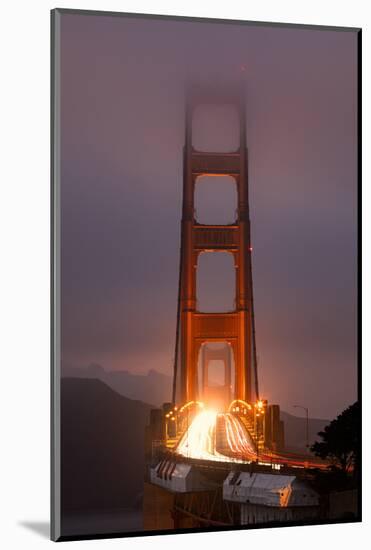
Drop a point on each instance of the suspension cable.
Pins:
(255, 357)
(176, 350)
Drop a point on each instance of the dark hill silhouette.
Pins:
(153, 387)
(102, 446)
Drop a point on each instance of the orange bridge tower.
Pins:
(234, 328)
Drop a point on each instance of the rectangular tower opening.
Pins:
(216, 282)
(215, 200)
(215, 128)
(216, 373)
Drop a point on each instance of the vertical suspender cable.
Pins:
(255, 357)
(176, 351)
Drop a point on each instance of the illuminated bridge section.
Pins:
(224, 437)
(217, 436)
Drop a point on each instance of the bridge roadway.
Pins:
(223, 437)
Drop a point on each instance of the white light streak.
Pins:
(199, 440)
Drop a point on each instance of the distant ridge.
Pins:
(153, 387)
(295, 430)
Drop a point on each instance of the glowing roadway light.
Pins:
(235, 402)
(199, 403)
(198, 441)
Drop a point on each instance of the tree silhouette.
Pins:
(340, 443)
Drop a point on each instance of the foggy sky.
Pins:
(122, 129)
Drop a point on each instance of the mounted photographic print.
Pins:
(205, 209)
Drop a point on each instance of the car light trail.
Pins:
(238, 438)
(199, 439)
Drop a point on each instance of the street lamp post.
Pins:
(307, 422)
